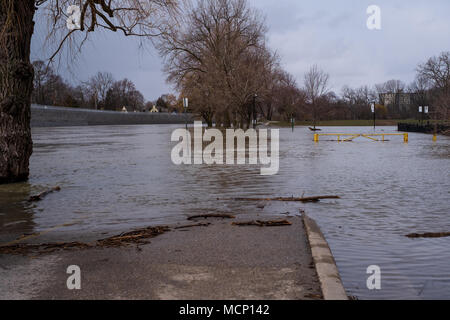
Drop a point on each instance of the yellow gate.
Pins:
(342, 137)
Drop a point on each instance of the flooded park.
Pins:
(116, 178)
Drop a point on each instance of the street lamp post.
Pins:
(254, 111)
(185, 105)
(373, 107)
(421, 110)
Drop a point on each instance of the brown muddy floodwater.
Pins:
(116, 178)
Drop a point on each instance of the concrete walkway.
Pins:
(220, 261)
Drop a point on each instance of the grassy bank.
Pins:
(342, 123)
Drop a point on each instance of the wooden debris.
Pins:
(259, 223)
(134, 237)
(41, 195)
(206, 216)
(313, 296)
(429, 235)
(137, 237)
(193, 225)
(42, 248)
(307, 199)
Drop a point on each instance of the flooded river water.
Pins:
(116, 178)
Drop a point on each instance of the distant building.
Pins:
(124, 110)
(398, 103)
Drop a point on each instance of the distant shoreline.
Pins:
(49, 116)
(341, 123)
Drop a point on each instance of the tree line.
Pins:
(100, 92)
(217, 55)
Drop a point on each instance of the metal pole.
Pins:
(185, 105)
(374, 110)
(374, 119)
(254, 111)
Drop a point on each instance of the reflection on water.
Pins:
(114, 178)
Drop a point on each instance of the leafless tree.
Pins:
(287, 98)
(389, 94)
(218, 54)
(131, 17)
(42, 75)
(358, 101)
(123, 93)
(316, 86)
(98, 87)
(437, 72)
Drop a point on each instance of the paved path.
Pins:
(220, 261)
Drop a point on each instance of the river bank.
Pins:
(428, 128)
(338, 123)
(47, 116)
(218, 261)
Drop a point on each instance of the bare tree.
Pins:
(98, 87)
(218, 54)
(389, 94)
(287, 98)
(420, 91)
(394, 86)
(123, 93)
(316, 86)
(437, 72)
(358, 101)
(131, 17)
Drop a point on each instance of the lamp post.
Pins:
(185, 105)
(421, 111)
(373, 107)
(254, 111)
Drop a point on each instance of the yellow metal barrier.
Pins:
(354, 136)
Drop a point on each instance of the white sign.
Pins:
(185, 102)
(426, 109)
(372, 106)
(420, 109)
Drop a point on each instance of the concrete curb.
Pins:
(327, 271)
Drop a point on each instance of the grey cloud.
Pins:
(328, 32)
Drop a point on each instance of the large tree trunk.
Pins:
(16, 85)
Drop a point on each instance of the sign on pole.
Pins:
(372, 106)
(420, 109)
(426, 109)
(185, 102)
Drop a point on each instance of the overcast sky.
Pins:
(330, 33)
